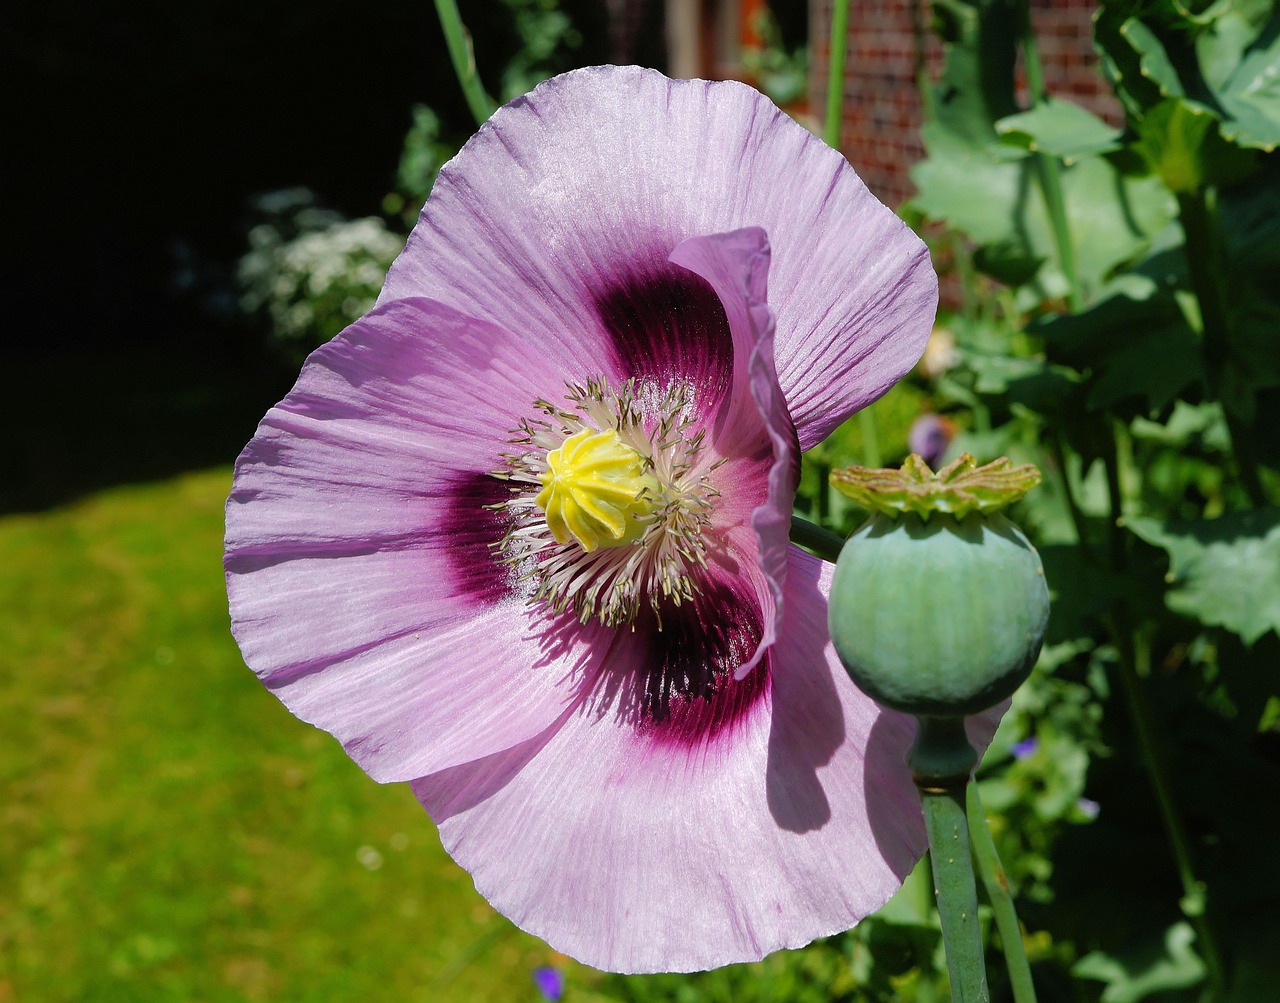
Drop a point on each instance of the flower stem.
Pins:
(1204, 266)
(813, 537)
(835, 73)
(831, 134)
(1049, 169)
(940, 762)
(871, 456)
(997, 886)
(1133, 648)
(458, 39)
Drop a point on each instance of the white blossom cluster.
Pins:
(315, 283)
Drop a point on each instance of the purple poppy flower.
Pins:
(519, 535)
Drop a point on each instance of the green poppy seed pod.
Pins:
(939, 603)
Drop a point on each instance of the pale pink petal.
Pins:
(777, 812)
(585, 186)
(363, 589)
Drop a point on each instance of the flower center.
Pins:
(596, 491)
(610, 502)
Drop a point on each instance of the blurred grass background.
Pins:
(169, 831)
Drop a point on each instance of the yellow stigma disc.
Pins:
(597, 491)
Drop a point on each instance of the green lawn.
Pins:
(167, 830)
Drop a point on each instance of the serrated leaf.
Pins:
(1122, 44)
(1153, 60)
(1224, 572)
(1239, 56)
(1060, 129)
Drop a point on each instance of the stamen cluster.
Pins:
(611, 583)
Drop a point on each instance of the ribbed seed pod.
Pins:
(939, 604)
(942, 617)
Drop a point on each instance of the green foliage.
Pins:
(547, 38)
(780, 73)
(1136, 363)
(425, 152)
(1060, 129)
(1169, 964)
(1224, 572)
(309, 271)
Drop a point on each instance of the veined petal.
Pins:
(791, 819)
(362, 584)
(697, 782)
(587, 184)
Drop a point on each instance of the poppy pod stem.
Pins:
(940, 762)
(938, 609)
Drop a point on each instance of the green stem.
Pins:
(812, 537)
(458, 39)
(1135, 656)
(1073, 507)
(920, 63)
(870, 438)
(1133, 648)
(997, 886)
(970, 297)
(835, 72)
(1049, 169)
(940, 762)
(1204, 266)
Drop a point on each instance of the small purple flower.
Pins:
(550, 983)
(930, 436)
(1088, 808)
(1026, 748)
(520, 534)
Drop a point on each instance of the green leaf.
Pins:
(1009, 261)
(991, 194)
(1224, 572)
(1249, 221)
(1227, 29)
(1239, 57)
(1135, 975)
(1059, 129)
(1180, 142)
(1112, 219)
(973, 188)
(977, 86)
(1133, 59)
(1132, 349)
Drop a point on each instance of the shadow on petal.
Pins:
(893, 806)
(808, 723)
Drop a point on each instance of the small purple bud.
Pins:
(930, 436)
(550, 982)
(1026, 748)
(1088, 808)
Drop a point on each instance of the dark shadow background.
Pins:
(134, 135)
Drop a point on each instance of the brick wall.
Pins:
(880, 132)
